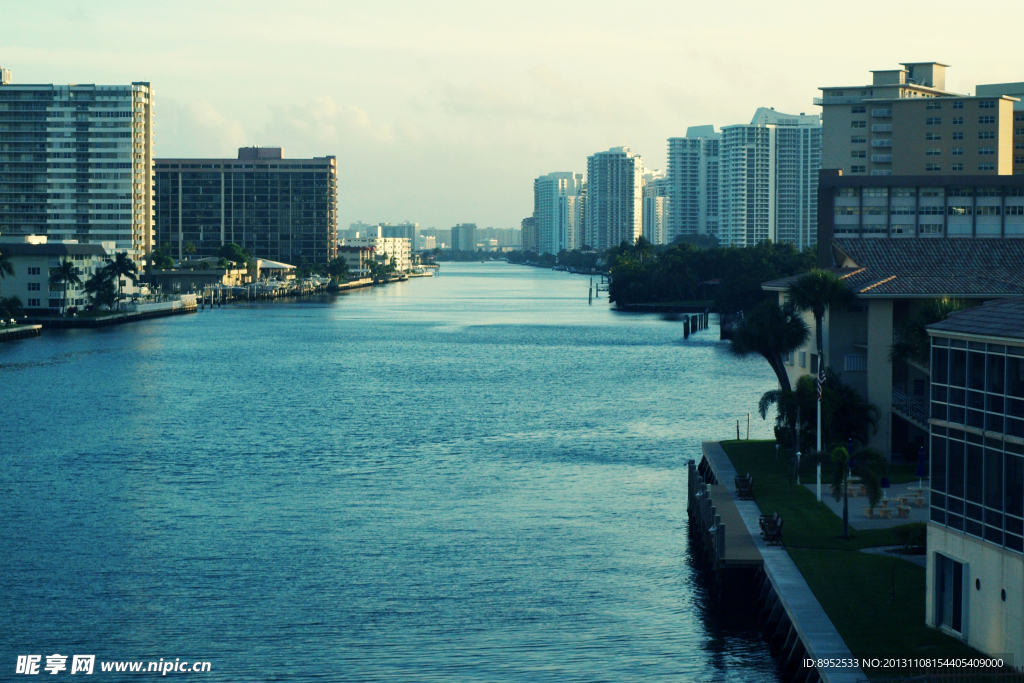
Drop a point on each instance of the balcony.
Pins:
(837, 100)
(881, 158)
(881, 143)
(881, 113)
(881, 127)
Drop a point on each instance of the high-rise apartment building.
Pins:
(529, 232)
(558, 212)
(692, 183)
(655, 207)
(76, 163)
(280, 209)
(906, 123)
(464, 237)
(406, 230)
(614, 203)
(749, 183)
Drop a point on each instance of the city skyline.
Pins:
(495, 99)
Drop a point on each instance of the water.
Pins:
(475, 477)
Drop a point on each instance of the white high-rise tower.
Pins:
(614, 204)
(558, 211)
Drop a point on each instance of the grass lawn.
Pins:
(875, 601)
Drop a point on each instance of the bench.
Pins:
(771, 529)
(744, 487)
(903, 512)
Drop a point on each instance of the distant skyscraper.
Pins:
(749, 183)
(614, 211)
(769, 179)
(406, 230)
(692, 183)
(529, 232)
(464, 237)
(280, 209)
(655, 207)
(558, 211)
(77, 162)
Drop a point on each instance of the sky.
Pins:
(444, 112)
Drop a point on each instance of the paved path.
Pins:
(858, 503)
(816, 631)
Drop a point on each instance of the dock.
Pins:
(793, 620)
(20, 332)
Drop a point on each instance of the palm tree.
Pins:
(911, 342)
(64, 274)
(773, 331)
(817, 291)
(122, 266)
(10, 307)
(190, 248)
(101, 287)
(868, 464)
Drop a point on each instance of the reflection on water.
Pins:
(476, 477)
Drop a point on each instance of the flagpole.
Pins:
(821, 377)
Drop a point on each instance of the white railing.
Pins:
(902, 402)
(881, 143)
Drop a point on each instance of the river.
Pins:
(472, 477)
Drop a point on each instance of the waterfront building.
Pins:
(749, 183)
(906, 123)
(529, 234)
(975, 568)
(277, 208)
(655, 207)
(464, 237)
(77, 163)
(768, 179)
(384, 249)
(614, 200)
(890, 280)
(558, 211)
(32, 257)
(693, 183)
(429, 242)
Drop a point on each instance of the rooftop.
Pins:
(52, 249)
(1002, 318)
(924, 268)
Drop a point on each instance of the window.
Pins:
(986, 167)
(33, 303)
(858, 109)
(958, 136)
(855, 363)
(987, 104)
(876, 192)
(847, 192)
(858, 169)
(933, 152)
(789, 358)
(958, 105)
(932, 168)
(949, 593)
(803, 359)
(956, 167)
(932, 192)
(958, 120)
(932, 210)
(929, 230)
(859, 154)
(1015, 211)
(858, 124)
(933, 105)
(987, 135)
(33, 286)
(987, 210)
(847, 210)
(33, 270)
(986, 119)
(858, 140)
(933, 136)
(958, 151)
(959, 211)
(986, 151)
(933, 121)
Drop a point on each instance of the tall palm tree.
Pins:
(772, 331)
(817, 291)
(911, 342)
(122, 266)
(101, 287)
(65, 274)
(10, 307)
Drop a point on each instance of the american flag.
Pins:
(821, 378)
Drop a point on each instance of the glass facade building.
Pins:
(280, 209)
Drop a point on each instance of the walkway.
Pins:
(816, 631)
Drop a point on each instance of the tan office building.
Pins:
(906, 123)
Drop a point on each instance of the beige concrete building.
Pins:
(32, 257)
(906, 123)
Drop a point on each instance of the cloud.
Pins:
(196, 129)
(322, 124)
